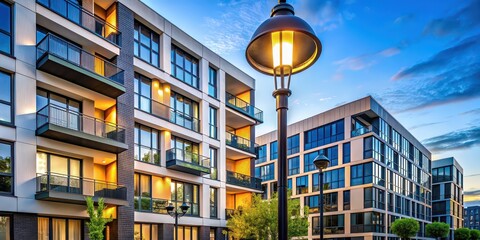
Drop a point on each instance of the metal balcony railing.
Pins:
(52, 114)
(83, 18)
(242, 180)
(186, 156)
(229, 213)
(79, 185)
(239, 142)
(149, 204)
(243, 107)
(73, 54)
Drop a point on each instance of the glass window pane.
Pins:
(6, 184)
(59, 229)
(146, 231)
(5, 113)
(5, 87)
(58, 164)
(43, 228)
(74, 229)
(5, 44)
(5, 12)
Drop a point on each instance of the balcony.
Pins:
(243, 107)
(239, 142)
(72, 189)
(65, 60)
(75, 128)
(188, 162)
(167, 113)
(242, 180)
(363, 130)
(83, 18)
(148, 204)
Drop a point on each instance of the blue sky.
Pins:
(419, 59)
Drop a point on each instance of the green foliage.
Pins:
(437, 229)
(474, 234)
(405, 228)
(462, 234)
(97, 222)
(259, 219)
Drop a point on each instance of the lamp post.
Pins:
(176, 214)
(281, 46)
(321, 162)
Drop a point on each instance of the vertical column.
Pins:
(204, 65)
(204, 232)
(123, 227)
(165, 48)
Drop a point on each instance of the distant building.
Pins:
(472, 217)
(447, 193)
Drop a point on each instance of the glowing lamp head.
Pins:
(283, 42)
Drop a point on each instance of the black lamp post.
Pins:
(176, 214)
(281, 46)
(321, 162)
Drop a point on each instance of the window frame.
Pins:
(273, 150)
(140, 44)
(186, 56)
(12, 169)
(293, 171)
(213, 84)
(295, 141)
(11, 33)
(12, 102)
(138, 127)
(214, 204)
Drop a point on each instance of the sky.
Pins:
(419, 59)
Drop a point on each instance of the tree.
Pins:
(437, 230)
(97, 222)
(405, 228)
(474, 234)
(462, 234)
(258, 220)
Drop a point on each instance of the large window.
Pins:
(145, 231)
(6, 28)
(373, 198)
(330, 202)
(442, 174)
(142, 190)
(367, 173)
(273, 150)
(373, 148)
(293, 166)
(212, 82)
(346, 153)
(143, 92)
(185, 111)
(59, 228)
(64, 172)
(213, 154)
(188, 193)
(331, 179)
(213, 202)
(331, 153)
(64, 111)
(261, 153)
(367, 222)
(6, 168)
(332, 224)
(325, 134)
(302, 184)
(6, 90)
(346, 200)
(212, 118)
(185, 150)
(184, 67)
(147, 144)
(188, 233)
(5, 228)
(266, 172)
(146, 44)
(293, 144)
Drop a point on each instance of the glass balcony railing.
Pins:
(52, 114)
(148, 204)
(363, 130)
(79, 185)
(60, 48)
(239, 142)
(167, 113)
(244, 107)
(185, 161)
(83, 18)
(242, 180)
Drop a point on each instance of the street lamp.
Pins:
(321, 162)
(281, 46)
(176, 214)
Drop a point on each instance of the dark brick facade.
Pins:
(165, 231)
(122, 228)
(25, 226)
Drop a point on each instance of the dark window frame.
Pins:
(293, 144)
(11, 33)
(138, 44)
(50, 225)
(12, 102)
(138, 127)
(214, 203)
(261, 159)
(174, 199)
(12, 169)
(273, 150)
(291, 170)
(212, 82)
(193, 61)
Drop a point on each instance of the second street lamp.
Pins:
(176, 214)
(281, 46)
(321, 162)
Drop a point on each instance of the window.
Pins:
(264, 191)
(187, 233)
(331, 179)
(373, 198)
(289, 184)
(60, 228)
(385, 131)
(212, 122)
(6, 99)
(346, 200)
(184, 67)
(396, 140)
(6, 168)
(213, 163)
(213, 234)
(184, 150)
(302, 184)
(142, 192)
(273, 188)
(325, 134)
(147, 144)
(312, 203)
(361, 174)
(367, 222)
(64, 112)
(442, 174)
(266, 172)
(212, 82)
(146, 44)
(331, 153)
(62, 173)
(5, 228)
(184, 111)
(188, 193)
(143, 92)
(261, 153)
(6, 28)
(373, 148)
(273, 150)
(293, 166)
(293, 144)
(332, 224)
(213, 202)
(146, 231)
(346, 152)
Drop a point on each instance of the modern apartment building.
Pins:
(108, 99)
(378, 171)
(472, 217)
(447, 193)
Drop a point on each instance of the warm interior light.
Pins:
(282, 48)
